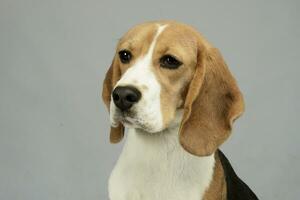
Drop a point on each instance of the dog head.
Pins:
(162, 67)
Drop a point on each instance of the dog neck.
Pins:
(164, 146)
(160, 159)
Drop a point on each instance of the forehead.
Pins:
(173, 35)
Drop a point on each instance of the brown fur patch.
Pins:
(111, 78)
(213, 102)
(217, 187)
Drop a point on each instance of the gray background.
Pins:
(53, 124)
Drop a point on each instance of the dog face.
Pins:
(154, 70)
(161, 67)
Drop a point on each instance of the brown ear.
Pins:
(212, 103)
(112, 76)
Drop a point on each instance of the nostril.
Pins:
(131, 98)
(116, 97)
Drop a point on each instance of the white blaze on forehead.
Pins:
(139, 75)
(151, 48)
(142, 66)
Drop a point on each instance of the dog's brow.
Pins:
(158, 32)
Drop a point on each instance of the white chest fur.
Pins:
(156, 167)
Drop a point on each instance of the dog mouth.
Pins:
(134, 119)
(127, 118)
(131, 120)
(133, 123)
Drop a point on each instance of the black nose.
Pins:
(125, 96)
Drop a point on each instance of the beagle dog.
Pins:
(173, 92)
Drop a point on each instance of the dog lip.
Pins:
(128, 118)
(126, 121)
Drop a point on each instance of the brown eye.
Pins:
(169, 62)
(125, 56)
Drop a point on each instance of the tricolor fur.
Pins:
(181, 119)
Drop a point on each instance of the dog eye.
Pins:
(170, 62)
(125, 56)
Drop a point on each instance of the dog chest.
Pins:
(156, 167)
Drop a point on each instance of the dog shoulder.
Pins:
(236, 188)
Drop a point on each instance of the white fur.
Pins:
(147, 111)
(156, 167)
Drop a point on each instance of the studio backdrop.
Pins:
(54, 127)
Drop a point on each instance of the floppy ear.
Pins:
(212, 103)
(112, 76)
